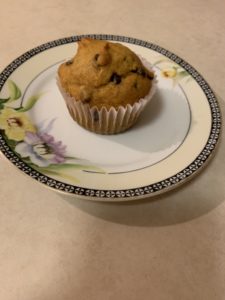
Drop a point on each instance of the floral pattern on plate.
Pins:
(171, 70)
(33, 144)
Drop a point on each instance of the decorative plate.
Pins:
(173, 139)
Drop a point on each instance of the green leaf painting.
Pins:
(14, 91)
(30, 103)
(2, 101)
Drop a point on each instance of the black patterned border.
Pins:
(127, 193)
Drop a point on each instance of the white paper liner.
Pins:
(105, 121)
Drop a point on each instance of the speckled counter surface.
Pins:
(169, 248)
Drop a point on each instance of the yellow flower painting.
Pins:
(15, 124)
(172, 71)
(169, 73)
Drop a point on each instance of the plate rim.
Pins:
(122, 194)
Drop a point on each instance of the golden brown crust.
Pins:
(105, 74)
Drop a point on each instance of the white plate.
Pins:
(173, 139)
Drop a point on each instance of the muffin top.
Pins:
(105, 74)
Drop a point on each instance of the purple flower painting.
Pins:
(42, 149)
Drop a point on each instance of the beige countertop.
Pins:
(169, 248)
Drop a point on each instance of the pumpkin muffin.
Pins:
(103, 86)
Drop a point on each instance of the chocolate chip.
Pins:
(87, 100)
(135, 85)
(141, 72)
(96, 116)
(96, 56)
(69, 62)
(151, 77)
(115, 78)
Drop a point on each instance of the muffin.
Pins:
(105, 86)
